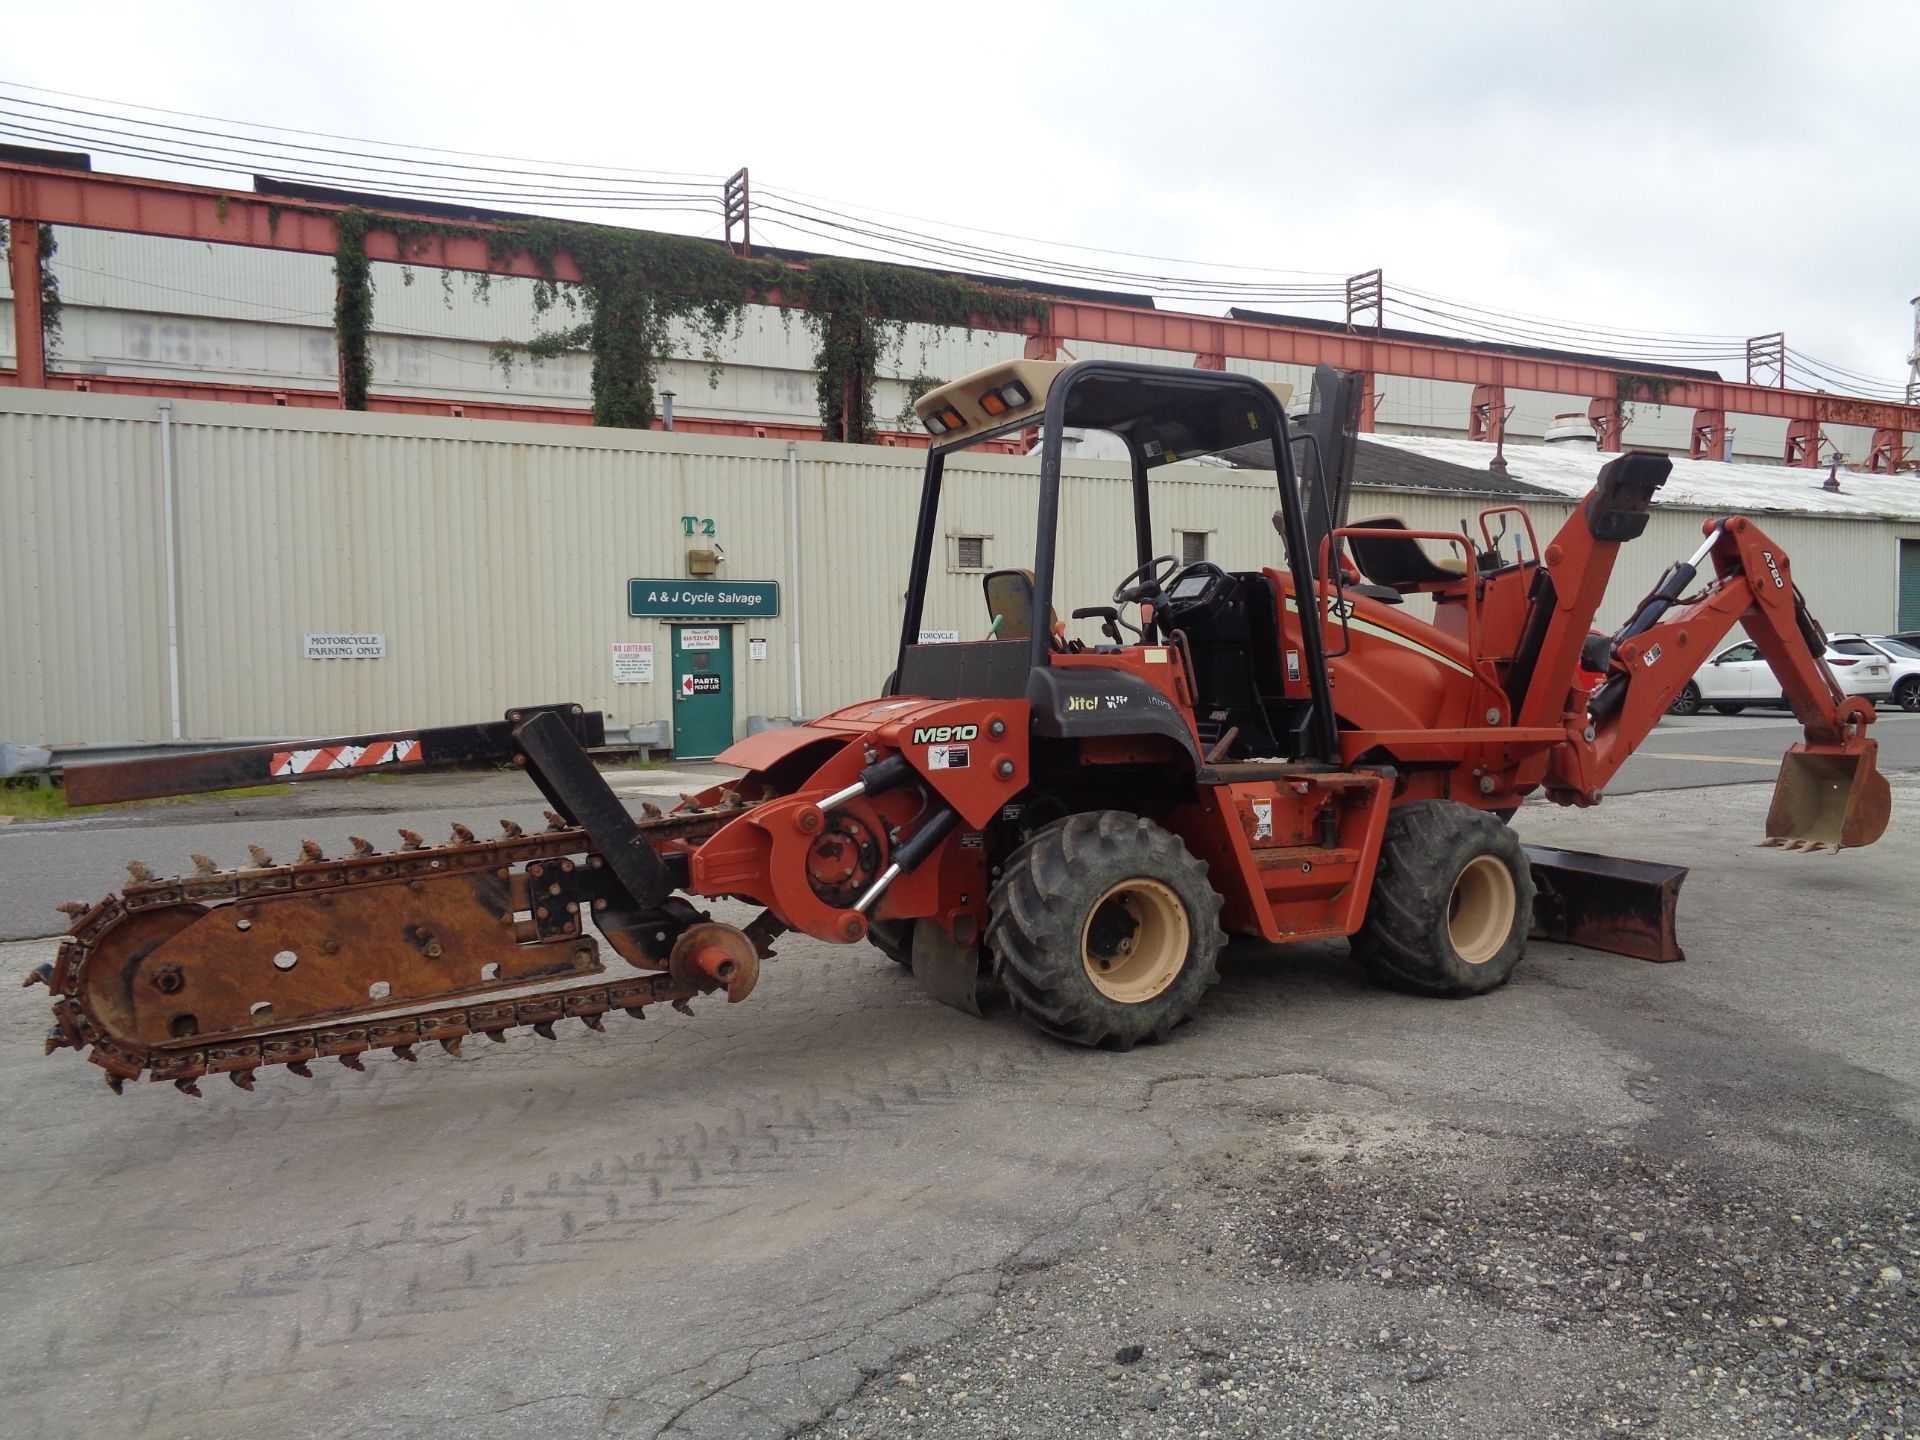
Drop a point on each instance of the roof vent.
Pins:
(1572, 432)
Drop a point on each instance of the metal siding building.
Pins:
(494, 558)
(173, 309)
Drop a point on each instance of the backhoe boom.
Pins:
(1830, 794)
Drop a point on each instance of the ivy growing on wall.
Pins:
(51, 306)
(637, 287)
(353, 307)
(1654, 389)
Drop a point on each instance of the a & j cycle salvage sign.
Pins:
(704, 599)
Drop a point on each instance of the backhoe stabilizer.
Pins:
(1829, 797)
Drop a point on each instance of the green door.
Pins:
(702, 690)
(1909, 585)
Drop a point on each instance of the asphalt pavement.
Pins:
(1686, 751)
(43, 864)
(1611, 1199)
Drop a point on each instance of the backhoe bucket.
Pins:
(1829, 799)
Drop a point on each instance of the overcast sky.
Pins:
(1724, 168)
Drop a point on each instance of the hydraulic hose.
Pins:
(1662, 598)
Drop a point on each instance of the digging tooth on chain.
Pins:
(72, 909)
(81, 1028)
(141, 872)
(690, 802)
(461, 835)
(650, 810)
(41, 974)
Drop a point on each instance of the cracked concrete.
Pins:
(739, 1224)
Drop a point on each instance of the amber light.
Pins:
(1010, 396)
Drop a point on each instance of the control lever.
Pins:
(1109, 619)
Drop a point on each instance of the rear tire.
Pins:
(1729, 709)
(1687, 702)
(1452, 902)
(1104, 930)
(1907, 693)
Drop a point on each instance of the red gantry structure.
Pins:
(33, 195)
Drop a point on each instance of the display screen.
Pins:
(1191, 588)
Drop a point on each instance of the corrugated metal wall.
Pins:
(494, 558)
(149, 306)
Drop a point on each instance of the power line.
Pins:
(352, 174)
(328, 135)
(578, 186)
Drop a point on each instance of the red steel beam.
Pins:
(94, 200)
(291, 398)
(23, 273)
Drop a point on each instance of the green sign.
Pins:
(704, 599)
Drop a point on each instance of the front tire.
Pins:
(1687, 702)
(893, 939)
(1907, 693)
(1104, 930)
(1452, 902)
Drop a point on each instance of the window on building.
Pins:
(969, 552)
(1193, 546)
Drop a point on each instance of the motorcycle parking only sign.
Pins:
(346, 647)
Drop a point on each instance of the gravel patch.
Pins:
(1447, 1285)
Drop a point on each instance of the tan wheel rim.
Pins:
(1480, 910)
(1135, 940)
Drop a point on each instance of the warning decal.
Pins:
(344, 757)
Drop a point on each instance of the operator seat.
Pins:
(1010, 602)
(1400, 561)
(1385, 594)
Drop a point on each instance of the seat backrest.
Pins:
(1399, 560)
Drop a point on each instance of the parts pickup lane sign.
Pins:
(704, 599)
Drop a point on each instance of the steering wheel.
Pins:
(1144, 582)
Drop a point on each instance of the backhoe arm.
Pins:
(1830, 793)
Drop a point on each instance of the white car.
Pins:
(1737, 677)
(1902, 657)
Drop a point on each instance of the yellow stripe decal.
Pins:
(1374, 627)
